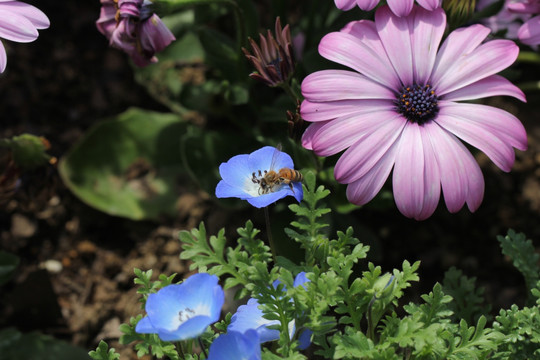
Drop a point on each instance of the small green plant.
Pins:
(349, 313)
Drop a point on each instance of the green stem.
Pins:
(529, 57)
(369, 315)
(168, 6)
(269, 233)
(179, 349)
(202, 348)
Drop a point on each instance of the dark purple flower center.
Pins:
(417, 103)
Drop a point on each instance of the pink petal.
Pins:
(428, 29)
(311, 131)
(493, 85)
(499, 122)
(36, 16)
(154, 35)
(432, 176)
(338, 134)
(106, 23)
(345, 4)
(363, 190)
(458, 44)
(488, 59)
(367, 152)
(429, 4)
(358, 46)
(408, 177)
(330, 85)
(322, 111)
(17, 28)
(456, 165)
(529, 33)
(367, 5)
(3, 58)
(478, 136)
(396, 38)
(525, 7)
(401, 7)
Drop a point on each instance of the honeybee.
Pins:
(269, 179)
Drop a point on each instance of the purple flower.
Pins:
(529, 32)
(235, 345)
(399, 109)
(131, 26)
(244, 177)
(184, 311)
(19, 22)
(398, 7)
(503, 20)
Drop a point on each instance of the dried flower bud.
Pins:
(273, 60)
(295, 122)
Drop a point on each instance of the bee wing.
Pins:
(275, 156)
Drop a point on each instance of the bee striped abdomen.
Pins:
(290, 175)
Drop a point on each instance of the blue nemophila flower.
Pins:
(250, 317)
(254, 177)
(236, 345)
(184, 311)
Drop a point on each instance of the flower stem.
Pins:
(369, 315)
(179, 349)
(202, 348)
(269, 233)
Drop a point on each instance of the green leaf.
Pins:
(468, 300)
(16, 345)
(128, 166)
(29, 151)
(102, 352)
(523, 255)
(179, 64)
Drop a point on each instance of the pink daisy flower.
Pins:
(399, 109)
(19, 22)
(398, 7)
(529, 32)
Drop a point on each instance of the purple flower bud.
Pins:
(130, 25)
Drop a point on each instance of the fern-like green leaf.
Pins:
(103, 352)
(523, 255)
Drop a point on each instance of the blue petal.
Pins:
(267, 199)
(248, 317)
(236, 171)
(304, 339)
(175, 305)
(224, 190)
(144, 326)
(262, 159)
(236, 345)
(298, 191)
(300, 279)
(188, 330)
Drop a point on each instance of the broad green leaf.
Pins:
(16, 345)
(128, 166)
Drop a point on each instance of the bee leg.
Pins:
(291, 186)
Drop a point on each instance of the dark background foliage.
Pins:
(69, 78)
